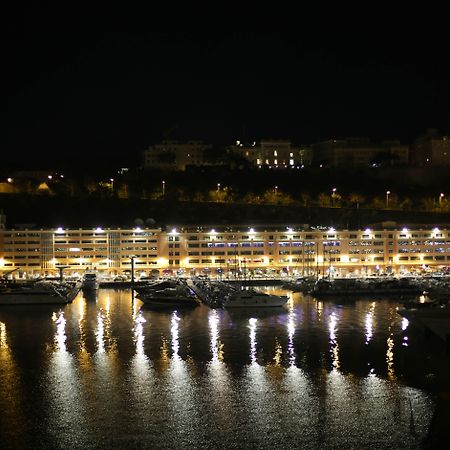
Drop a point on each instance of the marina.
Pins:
(320, 371)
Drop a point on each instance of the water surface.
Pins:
(103, 372)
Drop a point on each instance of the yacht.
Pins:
(179, 295)
(38, 292)
(90, 282)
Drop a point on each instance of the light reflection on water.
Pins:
(102, 373)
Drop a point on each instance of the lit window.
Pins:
(275, 161)
(275, 153)
(291, 162)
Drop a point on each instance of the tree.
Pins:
(356, 199)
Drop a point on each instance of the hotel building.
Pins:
(225, 250)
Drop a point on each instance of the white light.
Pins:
(405, 230)
(252, 230)
(213, 231)
(368, 230)
(138, 230)
(174, 231)
(331, 230)
(99, 230)
(59, 230)
(436, 230)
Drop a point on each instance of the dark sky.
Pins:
(83, 84)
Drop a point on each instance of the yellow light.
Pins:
(163, 262)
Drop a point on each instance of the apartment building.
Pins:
(431, 150)
(359, 152)
(274, 154)
(225, 250)
(176, 155)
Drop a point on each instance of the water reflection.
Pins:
(252, 334)
(66, 414)
(369, 322)
(291, 332)
(12, 420)
(60, 335)
(216, 345)
(112, 376)
(334, 348)
(139, 334)
(390, 357)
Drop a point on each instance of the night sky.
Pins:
(102, 85)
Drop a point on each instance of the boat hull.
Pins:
(252, 302)
(38, 297)
(168, 302)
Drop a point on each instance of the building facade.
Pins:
(359, 152)
(176, 155)
(431, 150)
(226, 251)
(274, 154)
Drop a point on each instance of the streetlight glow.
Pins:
(387, 199)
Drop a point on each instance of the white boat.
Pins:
(251, 298)
(39, 292)
(90, 282)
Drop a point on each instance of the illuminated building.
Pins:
(232, 249)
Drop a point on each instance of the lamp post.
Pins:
(276, 190)
(441, 197)
(333, 196)
(218, 187)
(132, 270)
(387, 199)
(112, 185)
(163, 188)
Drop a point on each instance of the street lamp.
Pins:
(163, 188)
(441, 197)
(112, 185)
(387, 199)
(276, 190)
(333, 196)
(218, 187)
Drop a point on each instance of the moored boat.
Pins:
(179, 295)
(90, 282)
(39, 292)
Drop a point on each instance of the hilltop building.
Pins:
(279, 154)
(431, 150)
(359, 152)
(176, 155)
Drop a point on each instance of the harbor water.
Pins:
(104, 373)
